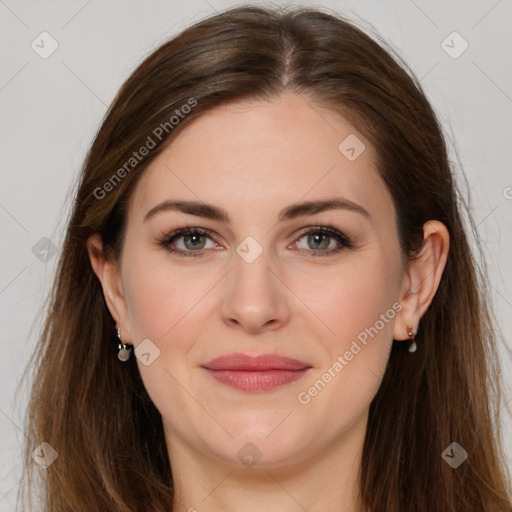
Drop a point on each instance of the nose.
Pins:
(256, 298)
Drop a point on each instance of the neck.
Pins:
(327, 480)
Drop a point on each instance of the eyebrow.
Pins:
(293, 211)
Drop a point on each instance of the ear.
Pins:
(110, 278)
(422, 277)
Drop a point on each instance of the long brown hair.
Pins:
(95, 412)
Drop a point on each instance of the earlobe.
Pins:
(422, 277)
(108, 274)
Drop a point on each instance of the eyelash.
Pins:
(165, 239)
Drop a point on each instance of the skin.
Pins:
(253, 159)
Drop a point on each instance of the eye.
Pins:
(191, 240)
(319, 237)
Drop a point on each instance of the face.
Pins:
(317, 285)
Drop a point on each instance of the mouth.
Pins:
(255, 373)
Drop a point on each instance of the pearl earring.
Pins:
(124, 349)
(412, 345)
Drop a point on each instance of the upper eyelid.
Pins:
(181, 232)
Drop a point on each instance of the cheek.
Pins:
(160, 298)
(168, 307)
(352, 296)
(358, 305)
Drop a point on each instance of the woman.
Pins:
(266, 299)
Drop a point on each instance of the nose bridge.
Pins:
(255, 296)
(251, 265)
(251, 276)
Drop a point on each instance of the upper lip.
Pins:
(261, 362)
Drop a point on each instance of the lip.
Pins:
(255, 373)
(261, 362)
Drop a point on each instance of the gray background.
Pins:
(50, 109)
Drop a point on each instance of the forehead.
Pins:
(258, 156)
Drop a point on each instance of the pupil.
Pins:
(319, 236)
(193, 237)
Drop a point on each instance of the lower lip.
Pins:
(256, 380)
